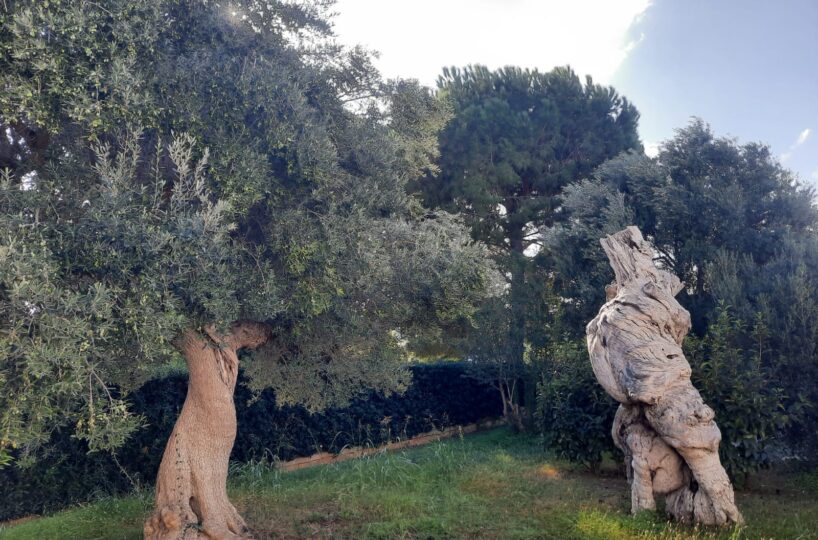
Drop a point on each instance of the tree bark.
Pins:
(668, 434)
(511, 410)
(191, 487)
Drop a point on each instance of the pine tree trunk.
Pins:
(518, 297)
(191, 488)
(519, 319)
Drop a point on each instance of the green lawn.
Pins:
(490, 485)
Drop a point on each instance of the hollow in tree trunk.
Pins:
(191, 488)
(667, 433)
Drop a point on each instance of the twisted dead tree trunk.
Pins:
(191, 488)
(668, 435)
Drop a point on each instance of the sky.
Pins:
(747, 67)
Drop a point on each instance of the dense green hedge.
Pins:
(441, 395)
(574, 414)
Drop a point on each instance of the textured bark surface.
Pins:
(191, 488)
(667, 433)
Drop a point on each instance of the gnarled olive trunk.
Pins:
(191, 488)
(667, 432)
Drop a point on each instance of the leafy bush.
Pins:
(729, 371)
(573, 411)
(439, 396)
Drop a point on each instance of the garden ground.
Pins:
(491, 485)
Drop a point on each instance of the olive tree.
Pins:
(187, 180)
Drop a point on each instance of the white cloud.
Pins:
(814, 175)
(651, 149)
(802, 138)
(417, 39)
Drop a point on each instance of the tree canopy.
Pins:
(702, 198)
(516, 139)
(171, 165)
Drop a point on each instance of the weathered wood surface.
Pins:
(668, 434)
(191, 487)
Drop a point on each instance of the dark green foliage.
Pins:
(591, 211)
(574, 413)
(440, 396)
(517, 138)
(730, 371)
(784, 293)
(701, 197)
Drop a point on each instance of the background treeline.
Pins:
(542, 166)
(441, 395)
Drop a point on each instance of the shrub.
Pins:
(729, 370)
(573, 411)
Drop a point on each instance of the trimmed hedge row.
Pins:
(440, 396)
